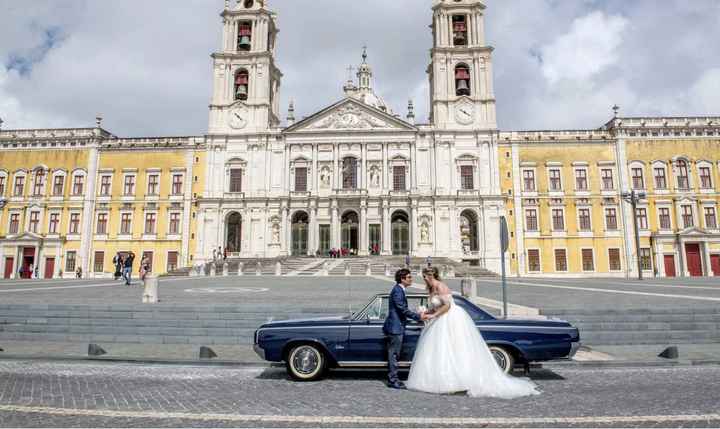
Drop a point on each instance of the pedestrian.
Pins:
(37, 273)
(144, 268)
(225, 254)
(118, 264)
(407, 261)
(78, 272)
(428, 261)
(214, 255)
(127, 268)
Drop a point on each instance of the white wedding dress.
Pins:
(451, 356)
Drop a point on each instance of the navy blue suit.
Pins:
(394, 328)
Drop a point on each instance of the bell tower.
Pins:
(461, 78)
(246, 80)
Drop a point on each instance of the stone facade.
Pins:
(358, 177)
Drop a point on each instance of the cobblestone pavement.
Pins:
(44, 394)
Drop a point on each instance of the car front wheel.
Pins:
(306, 362)
(504, 359)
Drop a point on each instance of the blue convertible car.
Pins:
(309, 347)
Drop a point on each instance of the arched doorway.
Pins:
(349, 231)
(300, 221)
(233, 233)
(400, 233)
(469, 238)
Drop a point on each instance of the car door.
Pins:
(367, 340)
(413, 330)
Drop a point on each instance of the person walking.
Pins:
(144, 268)
(127, 268)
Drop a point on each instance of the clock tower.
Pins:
(461, 78)
(246, 80)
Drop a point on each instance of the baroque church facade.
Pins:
(358, 177)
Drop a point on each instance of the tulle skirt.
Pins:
(451, 357)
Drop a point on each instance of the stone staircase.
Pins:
(137, 324)
(644, 326)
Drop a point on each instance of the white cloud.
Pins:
(588, 49)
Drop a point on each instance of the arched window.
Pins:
(244, 36)
(683, 176)
(78, 183)
(39, 182)
(462, 80)
(349, 173)
(3, 182)
(242, 84)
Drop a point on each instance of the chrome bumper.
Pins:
(259, 351)
(574, 347)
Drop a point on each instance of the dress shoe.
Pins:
(399, 385)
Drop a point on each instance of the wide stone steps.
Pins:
(644, 326)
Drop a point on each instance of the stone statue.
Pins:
(374, 176)
(276, 233)
(424, 232)
(325, 177)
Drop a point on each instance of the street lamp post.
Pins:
(633, 197)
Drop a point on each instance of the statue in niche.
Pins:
(425, 232)
(375, 176)
(325, 177)
(276, 233)
(465, 234)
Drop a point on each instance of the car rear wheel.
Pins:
(504, 358)
(306, 362)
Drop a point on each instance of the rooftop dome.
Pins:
(364, 91)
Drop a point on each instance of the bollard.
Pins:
(347, 269)
(150, 296)
(193, 271)
(258, 269)
(278, 269)
(226, 269)
(240, 268)
(324, 269)
(451, 272)
(368, 270)
(201, 270)
(468, 288)
(670, 353)
(444, 271)
(213, 269)
(387, 270)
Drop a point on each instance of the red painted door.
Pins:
(49, 267)
(28, 263)
(715, 264)
(670, 266)
(692, 250)
(9, 267)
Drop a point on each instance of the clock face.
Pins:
(237, 119)
(465, 113)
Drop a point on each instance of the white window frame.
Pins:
(4, 174)
(637, 165)
(43, 190)
(658, 165)
(178, 234)
(594, 261)
(121, 234)
(711, 188)
(150, 235)
(676, 175)
(152, 172)
(715, 211)
(100, 185)
(610, 270)
(64, 175)
(659, 206)
(551, 191)
(534, 191)
(24, 175)
(59, 224)
(567, 260)
(97, 222)
(585, 191)
(70, 234)
(540, 259)
(129, 197)
(78, 173)
(9, 221)
(584, 207)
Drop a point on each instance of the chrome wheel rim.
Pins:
(500, 358)
(306, 360)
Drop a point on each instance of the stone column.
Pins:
(88, 214)
(413, 167)
(335, 225)
(363, 251)
(187, 208)
(386, 246)
(314, 183)
(312, 232)
(413, 228)
(386, 181)
(286, 235)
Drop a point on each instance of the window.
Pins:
(533, 260)
(153, 184)
(638, 182)
(236, 175)
(74, 223)
(53, 223)
(34, 222)
(349, 173)
(78, 185)
(467, 179)
(105, 186)
(529, 180)
(99, 261)
(660, 179)
(687, 216)
(614, 260)
(244, 35)
(126, 224)
(242, 83)
(665, 222)
(607, 179)
(462, 80)
(555, 181)
(581, 182)
(645, 260)
(459, 30)
(19, 186)
(70, 261)
(710, 219)
(611, 219)
(683, 180)
(2, 185)
(584, 218)
(560, 260)
(177, 184)
(174, 228)
(14, 223)
(558, 220)
(172, 262)
(102, 221)
(642, 219)
(705, 178)
(531, 220)
(588, 262)
(58, 186)
(150, 223)
(399, 178)
(39, 183)
(301, 175)
(129, 188)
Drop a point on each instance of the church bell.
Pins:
(462, 87)
(242, 92)
(244, 43)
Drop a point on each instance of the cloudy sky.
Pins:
(145, 65)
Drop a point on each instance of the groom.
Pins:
(394, 327)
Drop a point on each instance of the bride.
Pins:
(451, 355)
